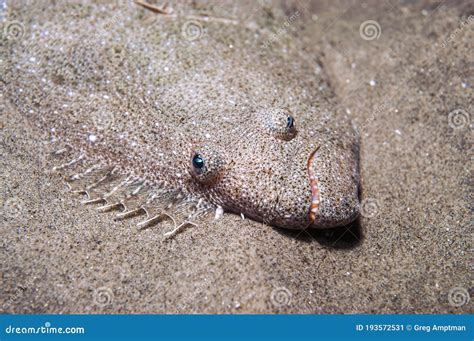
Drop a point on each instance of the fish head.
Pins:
(283, 173)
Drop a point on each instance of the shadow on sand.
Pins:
(343, 237)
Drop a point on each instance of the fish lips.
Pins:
(333, 172)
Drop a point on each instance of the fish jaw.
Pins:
(334, 181)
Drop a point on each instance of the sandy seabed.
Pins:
(408, 85)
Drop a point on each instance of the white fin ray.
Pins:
(132, 195)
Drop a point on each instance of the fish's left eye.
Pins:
(206, 164)
(198, 162)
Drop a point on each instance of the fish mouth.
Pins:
(334, 182)
(313, 181)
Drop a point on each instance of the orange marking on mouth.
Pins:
(314, 188)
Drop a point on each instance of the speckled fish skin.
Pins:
(166, 97)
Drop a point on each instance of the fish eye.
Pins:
(279, 123)
(290, 121)
(206, 164)
(198, 162)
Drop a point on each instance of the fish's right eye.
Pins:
(280, 123)
(290, 122)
